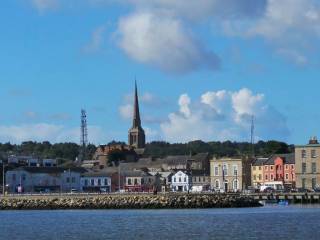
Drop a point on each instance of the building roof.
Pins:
(49, 169)
(97, 174)
(135, 174)
(287, 158)
(198, 172)
(259, 161)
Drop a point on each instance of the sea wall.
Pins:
(128, 202)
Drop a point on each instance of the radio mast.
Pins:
(83, 135)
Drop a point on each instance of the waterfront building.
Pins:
(181, 181)
(141, 181)
(230, 174)
(307, 164)
(200, 180)
(257, 172)
(96, 181)
(136, 135)
(43, 179)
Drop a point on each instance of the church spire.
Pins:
(136, 136)
(136, 113)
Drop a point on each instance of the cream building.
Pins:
(229, 174)
(307, 164)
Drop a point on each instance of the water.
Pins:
(270, 222)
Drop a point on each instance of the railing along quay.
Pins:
(308, 197)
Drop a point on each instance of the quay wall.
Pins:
(165, 201)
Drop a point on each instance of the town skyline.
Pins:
(201, 78)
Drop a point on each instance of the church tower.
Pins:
(137, 137)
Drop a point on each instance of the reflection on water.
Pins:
(269, 222)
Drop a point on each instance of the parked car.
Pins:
(269, 190)
(304, 190)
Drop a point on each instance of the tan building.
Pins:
(257, 172)
(307, 164)
(229, 174)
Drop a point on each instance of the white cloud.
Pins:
(163, 42)
(47, 132)
(126, 111)
(224, 115)
(96, 40)
(184, 102)
(45, 5)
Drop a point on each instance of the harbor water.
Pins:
(268, 222)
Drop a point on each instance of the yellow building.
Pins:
(257, 172)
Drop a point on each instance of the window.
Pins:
(23, 177)
(99, 182)
(68, 179)
(286, 167)
(313, 167)
(259, 167)
(266, 168)
(106, 181)
(254, 177)
(254, 168)
(174, 179)
(92, 182)
(287, 176)
(179, 179)
(217, 183)
(314, 183)
(225, 169)
(185, 179)
(304, 167)
(199, 179)
(313, 153)
(235, 170)
(149, 180)
(135, 181)
(129, 181)
(271, 167)
(86, 182)
(142, 181)
(203, 179)
(266, 176)
(271, 177)
(303, 153)
(235, 184)
(216, 170)
(292, 166)
(303, 182)
(73, 179)
(260, 176)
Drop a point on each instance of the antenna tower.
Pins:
(83, 135)
(252, 136)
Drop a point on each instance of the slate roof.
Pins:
(50, 169)
(259, 161)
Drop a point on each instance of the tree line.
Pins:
(70, 151)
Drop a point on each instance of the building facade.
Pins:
(181, 181)
(230, 174)
(140, 181)
(95, 182)
(307, 164)
(257, 173)
(43, 179)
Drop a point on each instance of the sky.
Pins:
(203, 68)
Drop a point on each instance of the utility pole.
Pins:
(119, 177)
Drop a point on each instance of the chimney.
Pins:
(313, 140)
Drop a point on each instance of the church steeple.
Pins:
(136, 134)
(136, 112)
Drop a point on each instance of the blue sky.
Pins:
(203, 68)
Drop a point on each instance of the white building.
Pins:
(96, 182)
(181, 182)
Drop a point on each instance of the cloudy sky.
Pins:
(203, 67)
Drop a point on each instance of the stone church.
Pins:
(136, 135)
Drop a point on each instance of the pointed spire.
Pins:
(136, 113)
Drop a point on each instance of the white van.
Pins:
(276, 185)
